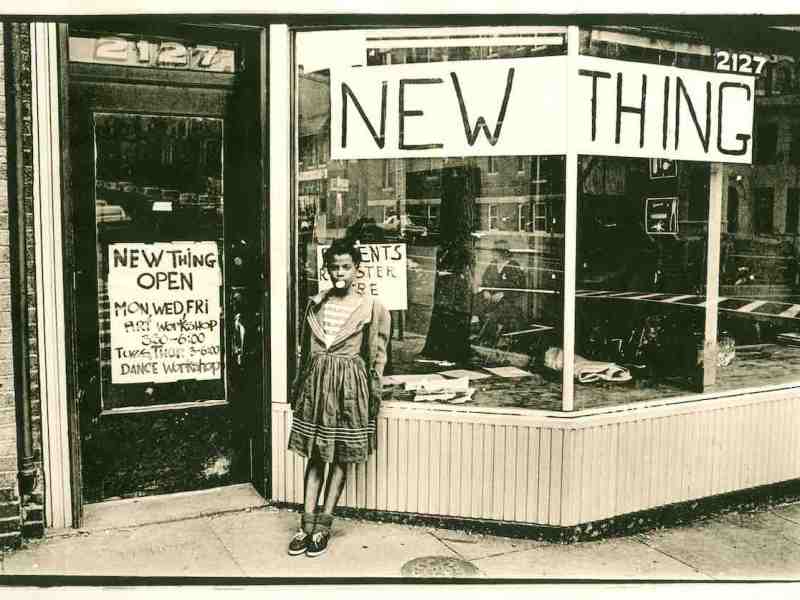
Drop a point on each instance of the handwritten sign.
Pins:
(164, 303)
(382, 273)
(530, 106)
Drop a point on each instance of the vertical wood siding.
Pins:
(655, 460)
(517, 469)
(438, 465)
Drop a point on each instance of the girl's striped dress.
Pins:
(331, 411)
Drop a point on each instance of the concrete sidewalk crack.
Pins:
(785, 518)
(506, 553)
(175, 519)
(446, 545)
(675, 558)
(444, 542)
(227, 549)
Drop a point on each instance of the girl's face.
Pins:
(342, 270)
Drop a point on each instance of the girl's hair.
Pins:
(339, 247)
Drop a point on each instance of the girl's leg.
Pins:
(315, 473)
(323, 522)
(334, 486)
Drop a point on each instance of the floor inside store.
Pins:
(755, 365)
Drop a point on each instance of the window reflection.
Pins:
(483, 239)
(758, 275)
(641, 242)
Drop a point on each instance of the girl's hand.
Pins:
(375, 396)
(294, 392)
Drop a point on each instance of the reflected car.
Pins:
(152, 191)
(404, 225)
(109, 213)
(187, 198)
(170, 195)
(126, 186)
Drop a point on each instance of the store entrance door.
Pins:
(169, 262)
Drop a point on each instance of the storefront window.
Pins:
(640, 290)
(642, 231)
(757, 326)
(483, 237)
(475, 243)
(759, 305)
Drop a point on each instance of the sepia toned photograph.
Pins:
(332, 296)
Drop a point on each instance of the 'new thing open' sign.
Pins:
(535, 106)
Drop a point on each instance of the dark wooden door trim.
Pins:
(254, 80)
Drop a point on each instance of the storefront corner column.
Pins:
(716, 172)
(50, 273)
(280, 190)
(570, 234)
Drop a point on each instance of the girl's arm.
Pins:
(379, 332)
(305, 348)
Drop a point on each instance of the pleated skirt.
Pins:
(331, 413)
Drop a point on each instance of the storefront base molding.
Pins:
(674, 515)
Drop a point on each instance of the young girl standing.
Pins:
(337, 391)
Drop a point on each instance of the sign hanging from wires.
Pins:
(541, 106)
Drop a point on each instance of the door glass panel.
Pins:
(159, 224)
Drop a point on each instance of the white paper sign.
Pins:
(529, 106)
(164, 303)
(459, 108)
(636, 109)
(382, 273)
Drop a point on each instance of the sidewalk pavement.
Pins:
(251, 542)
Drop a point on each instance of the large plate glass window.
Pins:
(759, 280)
(466, 251)
(642, 232)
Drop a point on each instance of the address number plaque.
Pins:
(133, 52)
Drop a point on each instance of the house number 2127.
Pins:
(739, 62)
(168, 54)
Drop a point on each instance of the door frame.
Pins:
(64, 466)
